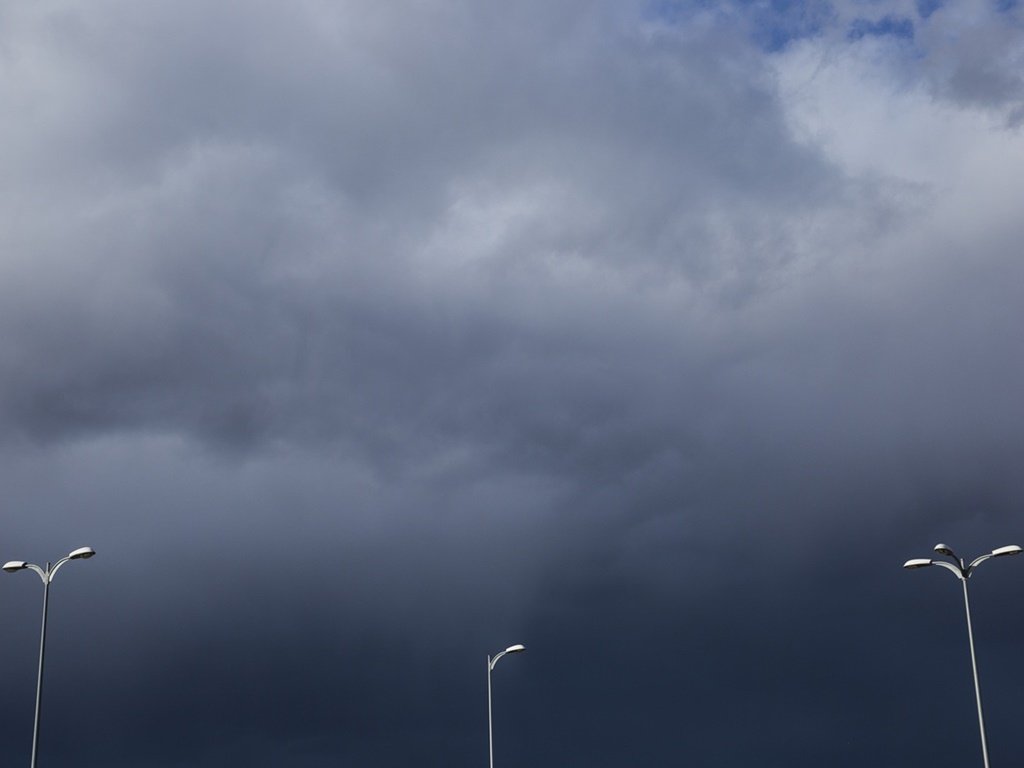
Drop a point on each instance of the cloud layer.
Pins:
(361, 341)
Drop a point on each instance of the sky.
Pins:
(364, 339)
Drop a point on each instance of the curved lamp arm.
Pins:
(925, 562)
(82, 553)
(55, 566)
(976, 561)
(1012, 549)
(952, 568)
(511, 649)
(11, 566)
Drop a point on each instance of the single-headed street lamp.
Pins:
(490, 666)
(963, 572)
(46, 574)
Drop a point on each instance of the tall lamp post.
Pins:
(963, 572)
(490, 666)
(46, 574)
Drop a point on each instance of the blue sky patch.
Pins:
(773, 24)
(926, 8)
(896, 26)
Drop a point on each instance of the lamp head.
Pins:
(920, 562)
(82, 553)
(14, 565)
(1013, 549)
(942, 549)
(515, 648)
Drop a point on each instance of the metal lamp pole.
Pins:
(490, 666)
(963, 572)
(46, 574)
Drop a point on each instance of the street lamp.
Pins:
(963, 572)
(46, 574)
(490, 666)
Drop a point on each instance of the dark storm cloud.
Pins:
(363, 341)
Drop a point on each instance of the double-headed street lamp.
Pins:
(46, 574)
(490, 666)
(963, 572)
